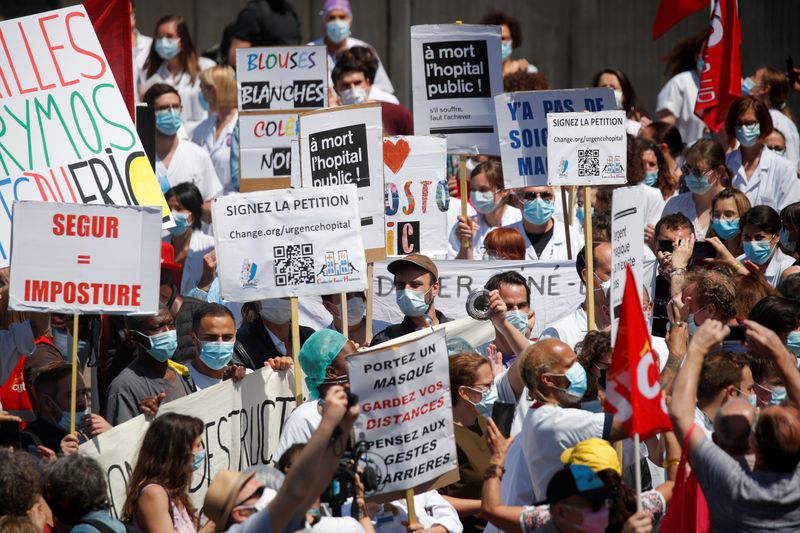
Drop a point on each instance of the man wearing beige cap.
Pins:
(416, 285)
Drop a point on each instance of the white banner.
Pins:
(290, 242)
(456, 71)
(627, 247)
(242, 422)
(522, 127)
(73, 258)
(282, 77)
(345, 145)
(265, 144)
(417, 197)
(66, 132)
(406, 411)
(587, 148)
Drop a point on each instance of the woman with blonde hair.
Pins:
(727, 207)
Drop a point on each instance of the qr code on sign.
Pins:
(294, 265)
(588, 162)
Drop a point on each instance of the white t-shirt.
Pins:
(571, 328)
(299, 427)
(202, 381)
(773, 183)
(684, 204)
(653, 202)
(703, 422)
(510, 216)
(548, 431)
(788, 129)
(337, 524)
(678, 96)
(189, 163)
(431, 508)
(218, 149)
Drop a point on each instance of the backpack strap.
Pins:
(98, 525)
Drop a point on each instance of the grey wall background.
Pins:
(569, 40)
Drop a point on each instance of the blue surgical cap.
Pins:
(316, 355)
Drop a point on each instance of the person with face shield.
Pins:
(267, 340)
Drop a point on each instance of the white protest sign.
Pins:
(456, 71)
(66, 132)
(291, 242)
(294, 148)
(627, 246)
(74, 258)
(406, 412)
(587, 148)
(417, 197)
(282, 77)
(242, 423)
(522, 127)
(265, 148)
(345, 145)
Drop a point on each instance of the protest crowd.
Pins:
(672, 405)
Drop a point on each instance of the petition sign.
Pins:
(290, 242)
(74, 258)
(456, 71)
(522, 127)
(66, 133)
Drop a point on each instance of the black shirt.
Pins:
(268, 23)
(540, 240)
(254, 338)
(403, 328)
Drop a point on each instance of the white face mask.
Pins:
(354, 95)
(355, 311)
(276, 310)
(618, 98)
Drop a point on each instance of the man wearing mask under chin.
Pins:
(546, 238)
(267, 340)
(416, 285)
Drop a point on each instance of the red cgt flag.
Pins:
(112, 23)
(633, 394)
(721, 79)
(671, 12)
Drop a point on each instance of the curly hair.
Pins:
(593, 347)
(19, 483)
(525, 81)
(718, 289)
(73, 486)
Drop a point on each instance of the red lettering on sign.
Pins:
(98, 227)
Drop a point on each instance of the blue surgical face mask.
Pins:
(786, 242)
(538, 211)
(163, 345)
(758, 252)
(793, 343)
(203, 101)
(747, 86)
(505, 49)
(482, 201)
(752, 399)
(577, 381)
(197, 461)
(63, 422)
(167, 48)
(748, 135)
(488, 397)
(518, 319)
(181, 223)
(698, 184)
(650, 178)
(412, 303)
(216, 355)
(777, 394)
(337, 30)
(725, 229)
(168, 121)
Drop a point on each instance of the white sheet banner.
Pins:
(627, 247)
(289, 242)
(242, 422)
(406, 411)
(66, 133)
(522, 127)
(456, 71)
(417, 197)
(265, 144)
(282, 77)
(587, 148)
(74, 258)
(345, 145)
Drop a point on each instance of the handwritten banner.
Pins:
(265, 146)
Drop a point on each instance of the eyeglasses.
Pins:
(257, 495)
(528, 196)
(689, 169)
(170, 107)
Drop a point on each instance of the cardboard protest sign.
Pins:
(292, 242)
(627, 247)
(406, 412)
(265, 149)
(282, 77)
(66, 133)
(522, 127)
(73, 258)
(345, 145)
(242, 423)
(417, 197)
(588, 148)
(456, 71)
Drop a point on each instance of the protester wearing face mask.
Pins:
(546, 237)
(761, 234)
(625, 97)
(641, 158)
(668, 140)
(178, 160)
(356, 308)
(158, 488)
(781, 315)
(491, 200)
(151, 378)
(727, 209)
(511, 38)
(267, 340)
(776, 142)
(337, 18)
(416, 285)
(173, 60)
(769, 386)
(707, 295)
(214, 336)
(724, 376)
(187, 239)
(790, 229)
(765, 177)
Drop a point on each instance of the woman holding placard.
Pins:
(190, 244)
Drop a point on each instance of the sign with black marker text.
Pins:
(265, 145)
(627, 247)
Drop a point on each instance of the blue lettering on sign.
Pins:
(530, 166)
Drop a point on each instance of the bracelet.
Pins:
(671, 462)
(491, 471)
(678, 272)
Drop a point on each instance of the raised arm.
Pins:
(763, 341)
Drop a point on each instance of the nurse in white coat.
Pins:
(765, 177)
(545, 237)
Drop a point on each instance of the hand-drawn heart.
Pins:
(394, 155)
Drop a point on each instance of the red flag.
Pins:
(112, 23)
(633, 394)
(721, 79)
(671, 12)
